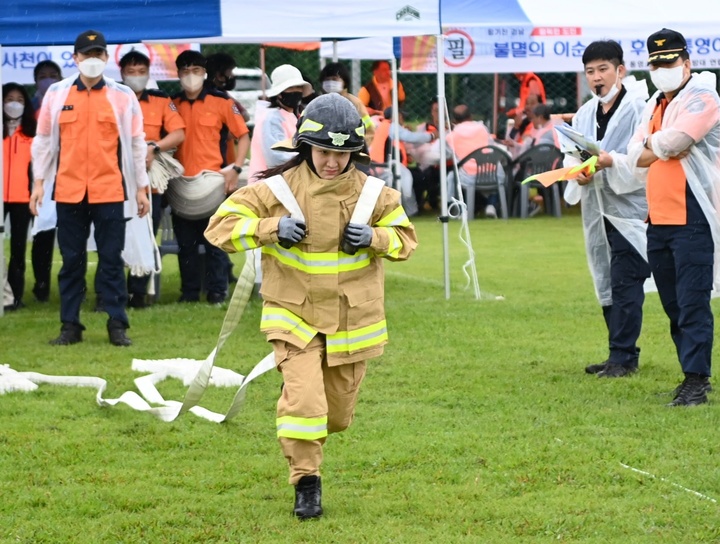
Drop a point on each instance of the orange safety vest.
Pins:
(666, 183)
(16, 168)
(379, 150)
(525, 84)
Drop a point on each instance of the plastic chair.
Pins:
(492, 175)
(537, 159)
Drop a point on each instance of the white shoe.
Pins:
(490, 212)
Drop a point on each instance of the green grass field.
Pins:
(478, 425)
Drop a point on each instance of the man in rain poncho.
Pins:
(613, 204)
(677, 150)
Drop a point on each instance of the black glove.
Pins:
(356, 236)
(290, 231)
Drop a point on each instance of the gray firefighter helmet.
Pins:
(331, 121)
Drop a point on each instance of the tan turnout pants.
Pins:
(312, 391)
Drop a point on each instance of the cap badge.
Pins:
(92, 37)
(338, 139)
(660, 43)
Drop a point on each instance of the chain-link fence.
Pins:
(489, 97)
(476, 90)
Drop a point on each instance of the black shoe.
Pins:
(41, 292)
(70, 333)
(16, 305)
(308, 498)
(708, 389)
(594, 369)
(215, 298)
(187, 298)
(99, 306)
(116, 333)
(136, 301)
(692, 391)
(616, 371)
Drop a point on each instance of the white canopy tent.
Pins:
(43, 22)
(487, 36)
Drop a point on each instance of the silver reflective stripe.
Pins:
(301, 428)
(303, 261)
(278, 317)
(243, 234)
(352, 259)
(349, 341)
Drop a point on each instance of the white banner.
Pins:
(543, 49)
(18, 62)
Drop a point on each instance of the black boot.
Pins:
(116, 333)
(308, 497)
(70, 333)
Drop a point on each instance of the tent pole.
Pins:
(496, 77)
(440, 49)
(396, 129)
(335, 52)
(262, 69)
(3, 279)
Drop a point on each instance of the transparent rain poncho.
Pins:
(692, 118)
(614, 193)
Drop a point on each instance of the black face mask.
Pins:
(229, 84)
(291, 100)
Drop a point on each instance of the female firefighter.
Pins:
(322, 287)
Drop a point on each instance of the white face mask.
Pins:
(612, 93)
(92, 67)
(333, 86)
(667, 80)
(192, 83)
(13, 110)
(136, 83)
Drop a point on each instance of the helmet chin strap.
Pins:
(306, 154)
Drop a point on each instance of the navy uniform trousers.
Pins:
(73, 222)
(628, 272)
(681, 259)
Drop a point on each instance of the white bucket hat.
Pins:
(286, 76)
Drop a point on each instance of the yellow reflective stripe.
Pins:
(229, 207)
(317, 263)
(394, 243)
(396, 218)
(302, 428)
(365, 337)
(243, 232)
(308, 125)
(280, 318)
(367, 121)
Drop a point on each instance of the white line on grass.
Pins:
(697, 494)
(420, 279)
(438, 283)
